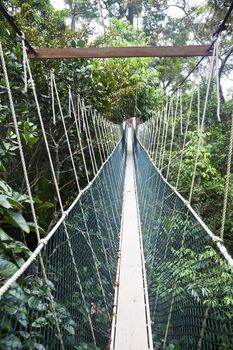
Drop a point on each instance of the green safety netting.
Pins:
(80, 261)
(190, 283)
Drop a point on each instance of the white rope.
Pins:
(78, 129)
(82, 106)
(198, 100)
(52, 96)
(214, 238)
(55, 181)
(45, 240)
(101, 136)
(170, 111)
(217, 79)
(104, 123)
(96, 262)
(181, 113)
(172, 139)
(156, 133)
(159, 132)
(65, 131)
(94, 120)
(211, 67)
(14, 117)
(90, 139)
(164, 120)
(24, 63)
(185, 137)
(227, 182)
(7, 286)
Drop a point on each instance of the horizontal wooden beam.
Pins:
(117, 52)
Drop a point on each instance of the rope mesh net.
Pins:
(80, 261)
(189, 281)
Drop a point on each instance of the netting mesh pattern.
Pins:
(80, 261)
(190, 284)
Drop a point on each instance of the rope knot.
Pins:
(43, 241)
(65, 213)
(217, 239)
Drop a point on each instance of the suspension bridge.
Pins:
(130, 264)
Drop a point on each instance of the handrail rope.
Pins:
(227, 181)
(78, 186)
(98, 146)
(91, 149)
(215, 239)
(45, 240)
(95, 210)
(85, 164)
(58, 192)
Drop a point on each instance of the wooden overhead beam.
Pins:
(117, 52)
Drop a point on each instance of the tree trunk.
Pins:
(131, 12)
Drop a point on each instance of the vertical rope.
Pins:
(65, 131)
(181, 113)
(24, 63)
(29, 188)
(211, 67)
(78, 129)
(52, 96)
(227, 182)
(198, 100)
(217, 80)
(59, 199)
(184, 140)
(172, 138)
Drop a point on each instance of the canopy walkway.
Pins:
(130, 264)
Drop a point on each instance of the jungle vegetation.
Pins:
(119, 89)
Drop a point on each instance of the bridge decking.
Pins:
(131, 315)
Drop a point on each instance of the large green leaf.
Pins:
(4, 201)
(7, 269)
(4, 236)
(16, 218)
(11, 342)
(40, 322)
(4, 187)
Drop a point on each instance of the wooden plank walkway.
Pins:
(131, 331)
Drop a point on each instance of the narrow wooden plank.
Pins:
(117, 52)
(131, 330)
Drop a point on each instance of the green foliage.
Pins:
(27, 312)
(13, 243)
(127, 87)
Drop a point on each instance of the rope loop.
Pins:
(43, 241)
